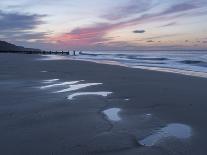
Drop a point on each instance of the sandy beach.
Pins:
(65, 107)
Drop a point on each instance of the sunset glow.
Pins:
(105, 25)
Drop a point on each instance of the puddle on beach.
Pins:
(104, 94)
(59, 84)
(50, 81)
(112, 114)
(179, 131)
(74, 87)
(148, 114)
(43, 71)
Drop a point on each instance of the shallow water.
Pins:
(50, 81)
(112, 114)
(191, 63)
(179, 131)
(43, 71)
(104, 94)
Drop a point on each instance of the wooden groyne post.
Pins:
(74, 53)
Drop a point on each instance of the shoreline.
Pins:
(142, 102)
(150, 68)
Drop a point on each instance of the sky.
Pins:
(105, 24)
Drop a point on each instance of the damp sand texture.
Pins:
(45, 121)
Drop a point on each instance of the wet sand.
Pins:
(67, 107)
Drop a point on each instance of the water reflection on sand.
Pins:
(179, 131)
(104, 94)
(71, 87)
(112, 114)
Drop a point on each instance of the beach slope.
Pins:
(64, 107)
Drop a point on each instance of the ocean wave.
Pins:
(191, 63)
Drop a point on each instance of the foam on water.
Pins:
(179, 131)
(104, 94)
(191, 63)
(74, 87)
(112, 114)
(173, 70)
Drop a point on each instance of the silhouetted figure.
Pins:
(74, 53)
(62, 52)
(68, 53)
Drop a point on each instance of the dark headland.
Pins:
(153, 113)
(6, 47)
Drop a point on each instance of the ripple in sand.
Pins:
(74, 87)
(179, 131)
(112, 114)
(59, 84)
(104, 94)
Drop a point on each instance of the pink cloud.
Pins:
(86, 36)
(95, 35)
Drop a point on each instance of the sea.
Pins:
(191, 63)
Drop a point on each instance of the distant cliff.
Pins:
(5, 46)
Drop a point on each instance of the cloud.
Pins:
(172, 12)
(85, 36)
(163, 36)
(136, 7)
(139, 31)
(186, 6)
(21, 27)
(94, 35)
(16, 21)
(131, 8)
(150, 41)
(169, 24)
